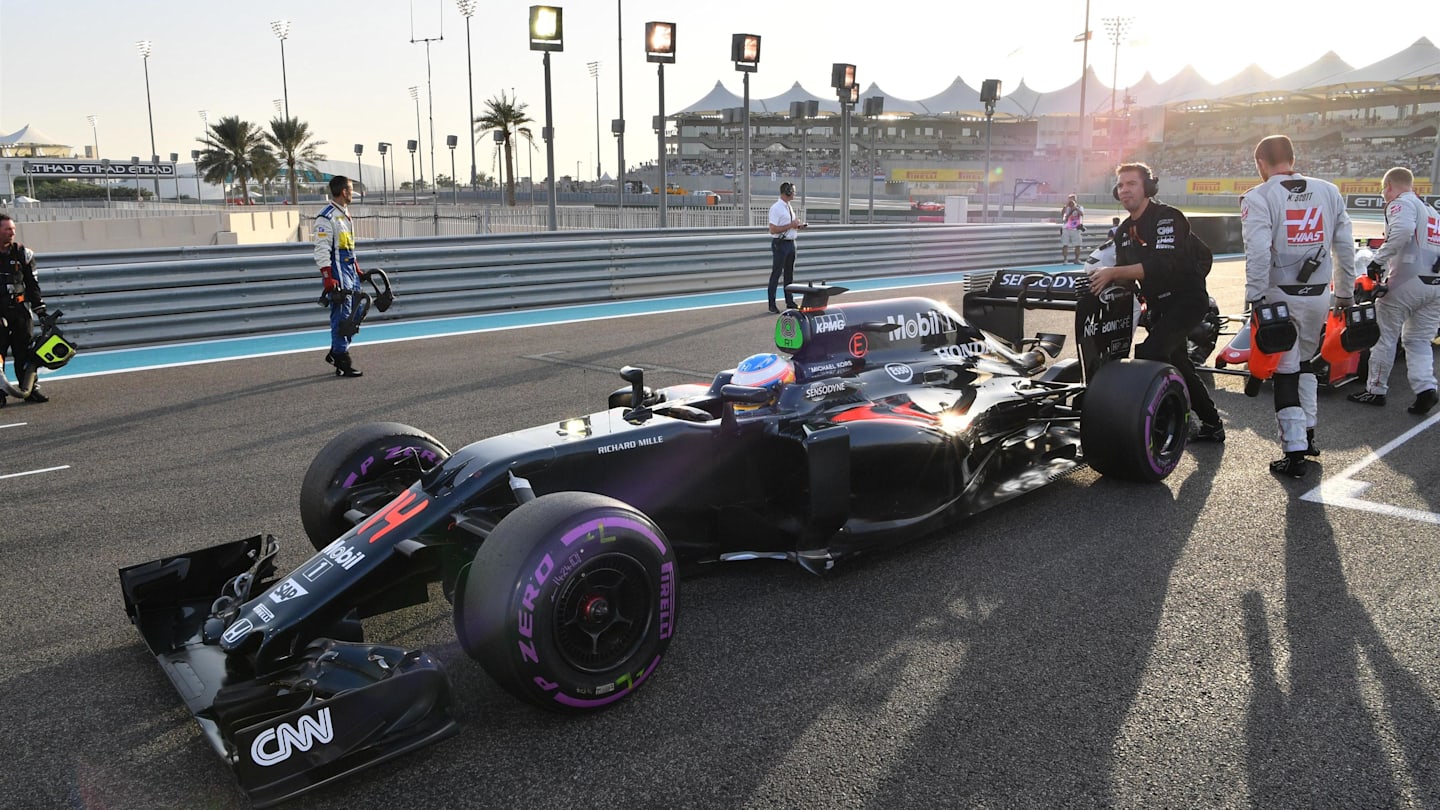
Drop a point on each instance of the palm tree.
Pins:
(504, 115)
(290, 138)
(233, 148)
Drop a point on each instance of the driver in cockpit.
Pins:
(766, 370)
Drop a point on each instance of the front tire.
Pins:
(570, 602)
(1135, 420)
(363, 468)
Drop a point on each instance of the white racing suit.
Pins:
(1410, 313)
(1285, 221)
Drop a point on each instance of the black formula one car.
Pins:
(559, 546)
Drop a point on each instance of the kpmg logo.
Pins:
(829, 322)
(275, 745)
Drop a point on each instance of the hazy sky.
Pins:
(350, 63)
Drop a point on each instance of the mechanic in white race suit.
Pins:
(1408, 264)
(1297, 242)
(339, 271)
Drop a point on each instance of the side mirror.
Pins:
(636, 377)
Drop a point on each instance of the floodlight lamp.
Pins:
(842, 76)
(450, 141)
(546, 28)
(359, 147)
(194, 154)
(411, 146)
(745, 52)
(384, 147)
(174, 156)
(144, 46)
(467, 7)
(660, 42)
(281, 28)
(415, 93)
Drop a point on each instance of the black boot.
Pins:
(1294, 464)
(344, 367)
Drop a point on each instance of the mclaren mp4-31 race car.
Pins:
(559, 546)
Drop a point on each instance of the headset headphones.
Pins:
(1151, 181)
(787, 188)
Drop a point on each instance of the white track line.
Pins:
(36, 472)
(1343, 490)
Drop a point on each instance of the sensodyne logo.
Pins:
(287, 590)
(823, 390)
(899, 372)
(275, 745)
(237, 631)
(829, 322)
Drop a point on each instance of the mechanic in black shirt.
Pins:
(19, 295)
(1149, 249)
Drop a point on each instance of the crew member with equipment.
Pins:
(1297, 244)
(1408, 264)
(19, 297)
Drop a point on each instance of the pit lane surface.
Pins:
(1213, 641)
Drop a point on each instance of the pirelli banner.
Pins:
(1348, 185)
(937, 175)
(97, 168)
(1220, 185)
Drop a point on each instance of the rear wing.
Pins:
(1104, 325)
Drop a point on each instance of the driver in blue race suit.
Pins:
(1297, 245)
(766, 370)
(339, 271)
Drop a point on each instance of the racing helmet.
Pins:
(765, 370)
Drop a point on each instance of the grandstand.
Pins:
(1349, 124)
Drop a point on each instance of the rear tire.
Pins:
(1135, 420)
(570, 602)
(363, 468)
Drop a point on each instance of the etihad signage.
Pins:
(1375, 202)
(97, 168)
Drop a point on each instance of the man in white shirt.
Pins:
(784, 227)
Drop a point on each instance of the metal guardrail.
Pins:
(144, 297)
